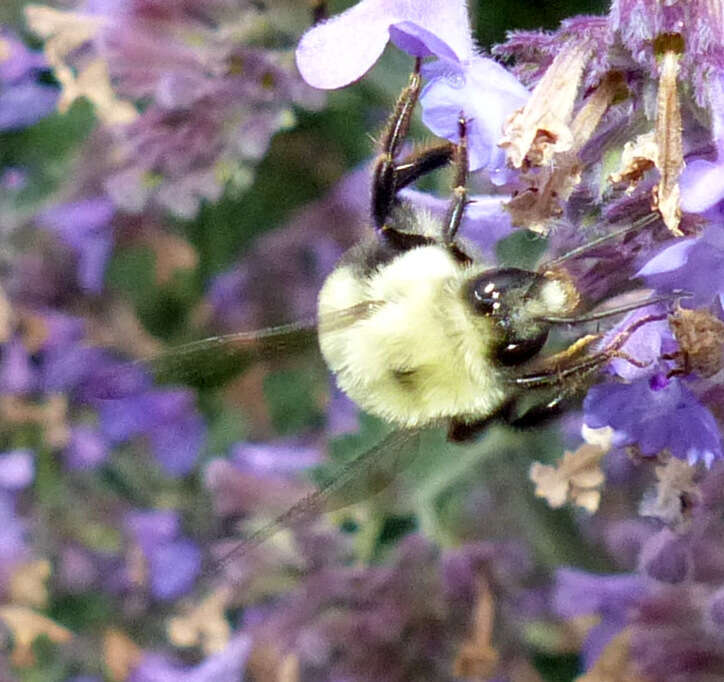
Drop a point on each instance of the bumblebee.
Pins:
(440, 336)
(421, 332)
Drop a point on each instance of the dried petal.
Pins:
(26, 626)
(551, 186)
(638, 156)
(205, 625)
(27, 583)
(477, 658)
(576, 478)
(614, 664)
(541, 128)
(120, 654)
(674, 492)
(669, 145)
(64, 32)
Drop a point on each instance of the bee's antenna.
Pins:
(633, 227)
(610, 312)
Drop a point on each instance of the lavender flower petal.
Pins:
(24, 104)
(174, 568)
(695, 265)
(342, 49)
(485, 93)
(226, 666)
(577, 593)
(86, 450)
(17, 469)
(655, 417)
(85, 226)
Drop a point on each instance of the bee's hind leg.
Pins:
(390, 175)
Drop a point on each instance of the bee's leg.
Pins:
(421, 162)
(459, 431)
(542, 413)
(578, 372)
(384, 185)
(460, 192)
(390, 175)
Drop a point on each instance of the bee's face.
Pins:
(509, 296)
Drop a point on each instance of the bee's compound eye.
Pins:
(513, 352)
(489, 292)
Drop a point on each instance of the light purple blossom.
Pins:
(17, 470)
(695, 265)
(24, 104)
(225, 666)
(646, 345)
(342, 49)
(260, 475)
(168, 418)
(85, 226)
(462, 82)
(702, 181)
(211, 101)
(17, 374)
(174, 561)
(486, 221)
(666, 557)
(23, 101)
(577, 593)
(13, 179)
(86, 449)
(485, 94)
(19, 61)
(281, 457)
(655, 414)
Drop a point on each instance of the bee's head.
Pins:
(518, 301)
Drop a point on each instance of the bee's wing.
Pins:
(360, 478)
(211, 362)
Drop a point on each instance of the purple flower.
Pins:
(695, 265)
(342, 49)
(74, 369)
(655, 415)
(23, 101)
(17, 374)
(174, 567)
(666, 557)
(646, 344)
(174, 561)
(342, 414)
(225, 666)
(13, 179)
(282, 457)
(486, 221)
(702, 181)
(17, 62)
(87, 448)
(24, 104)
(486, 94)
(260, 475)
(14, 545)
(169, 420)
(577, 593)
(211, 102)
(86, 227)
(17, 470)
(226, 296)
(281, 275)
